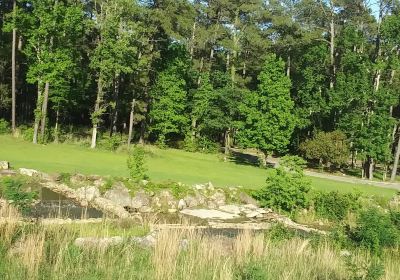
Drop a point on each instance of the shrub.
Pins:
(4, 127)
(375, 231)
(286, 187)
(327, 147)
(252, 271)
(206, 145)
(110, 143)
(395, 217)
(334, 205)
(136, 163)
(373, 270)
(189, 144)
(12, 190)
(26, 132)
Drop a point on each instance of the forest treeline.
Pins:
(278, 75)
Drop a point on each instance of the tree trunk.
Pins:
(56, 126)
(96, 113)
(44, 111)
(227, 143)
(131, 122)
(288, 66)
(37, 114)
(371, 168)
(192, 40)
(332, 51)
(194, 125)
(13, 71)
(396, 161)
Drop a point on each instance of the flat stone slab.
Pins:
(209, 214)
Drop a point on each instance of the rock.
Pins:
(77, 179)
(99, 183)
(209, 214)
(120, 196)
(7, 172)
(191, 201)
(254, 214)
(4, 165)
(96, 242)
(212, 205)
(144, 182)
(171, 211)
(28, 172)
(246, 199)
(148, 241)
(181, 204)
(199, 187)
(145, 209)
(140, 199)
(167, 200)
(88, 193)
(218, 198)
(233, 209)
(210, 186)
(250, 206)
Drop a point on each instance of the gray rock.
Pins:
(172, 211)
(88, 193)
(219, 198)
(210, 186)
(199, 187)
(97, 242)
(181, 204)
(145, 209)
(4, 165)
(246, 199)
(209, 214)
(191, 201)
(140, 199)
(254, 214)
(234, 209)
(99, 183)
(78, 179)
(29, 172)
(120, 196)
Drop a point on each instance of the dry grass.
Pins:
(47, 252)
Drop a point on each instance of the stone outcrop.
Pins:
(4, 165)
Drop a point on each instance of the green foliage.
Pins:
(178, 190)
(4, 126)
(365, 271)
(334, 205)
(252, 271)
(268, 119)
(279, 232)
(286, 187)
(137, 163)
(375, 231)
(328, 148)
(13, 190)
(395, 217)
(110, 143)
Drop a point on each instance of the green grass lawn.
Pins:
(163, 165)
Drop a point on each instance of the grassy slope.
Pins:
(163, 165)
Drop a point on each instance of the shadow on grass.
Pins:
(241, 158)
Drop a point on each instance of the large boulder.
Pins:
(78, 179)
(120, 196)
(218, 198)
(234, 209)
(140, 199)
(4, 165)
(28, 172)
(88, 193)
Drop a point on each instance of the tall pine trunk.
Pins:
(44, 111)
(13, 70)
(37, 113)
(96, 114)
(131, 122)
(396, 161)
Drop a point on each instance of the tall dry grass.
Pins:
(48, 252)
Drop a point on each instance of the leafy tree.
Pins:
(328, 148)
(169, 99)
(268, 119)
(137, 163)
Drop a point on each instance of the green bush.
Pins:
(137, 163)
(395, 217)
(206, 145)
(286, 187)
(4, 127)
(189, 144)
(334, 205)
(375, 231)
(12, 190)
(110, 143)
(26, 132)
(252, 271)
(327, 147)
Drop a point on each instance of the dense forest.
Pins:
(316, 78)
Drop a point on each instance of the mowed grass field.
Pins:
(163, 165)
